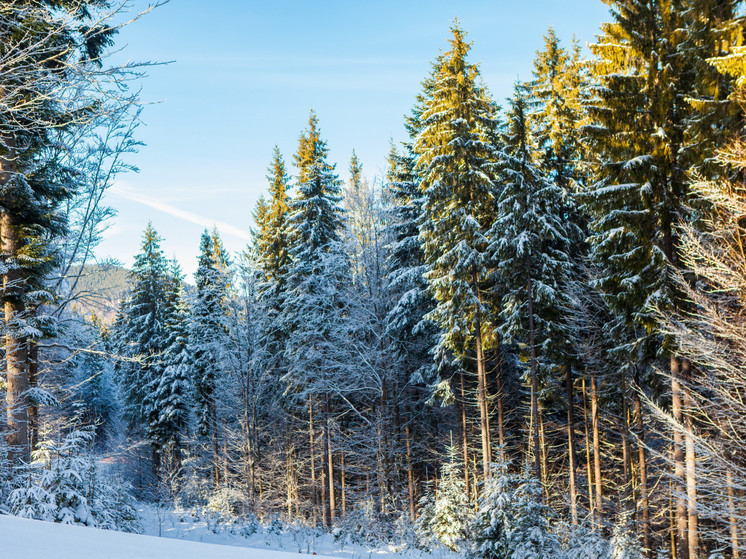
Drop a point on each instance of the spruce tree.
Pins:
(271, 247)
(529, 243)
(170, 396)
(494, 520)
(647, 133)
(141, 330)
(142, 337)
(207, 338)
(454, 158)
(451, 514)
(555, 96)
(47, 50)
(315, 300)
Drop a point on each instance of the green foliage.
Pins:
(455, 159)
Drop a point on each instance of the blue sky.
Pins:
(246, 73)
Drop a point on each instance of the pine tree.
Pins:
(271, 250)
(451, 515)
(494, 521)
(207, 337)
(169, 400)
(315, 301)
(555, 96)
(454, 160)
(141, 333)
(529, 243)
(45, 51)
(647, 134)
(271, 218)
(531, 537)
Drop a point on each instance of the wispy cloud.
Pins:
(225, 228)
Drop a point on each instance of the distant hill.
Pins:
(99, 289)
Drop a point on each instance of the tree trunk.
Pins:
(534, 383)
(679, 486)
(33, 409)
(461, 404)
(343, 482)
(16, 345)
(642, 464)
(500, 417)
(588, 472)
(691, 473)
(596, 451)
(626, 449)
(544, 479)
(314, 492)
(410, 474)
(484, 418)
(215, 450)
(330, 464)
(289, 470)
(734, 549)
(571, 444)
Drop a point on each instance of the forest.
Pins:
(527, 339)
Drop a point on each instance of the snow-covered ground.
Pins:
(23, 538)
(185, 535)
(295, 539)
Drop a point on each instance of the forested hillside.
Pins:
(525, 340)
(98, 289)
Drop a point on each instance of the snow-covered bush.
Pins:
(580, 542)
(624, 542)
(531, 537)
(450, 514)
(362, 525)
(493, 522)
(227, 501)
(426, 506)
(63, 484)
(512, 521)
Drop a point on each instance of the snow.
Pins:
(23, 538)
(185, 535)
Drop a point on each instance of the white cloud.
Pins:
(225, 228)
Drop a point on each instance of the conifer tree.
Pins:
(271, 218)
(645, 131)
(555, 96)
(47, 50)
(271, 246)
(169, 396)
(451, 514)
(531, 537)
(494, 520)
(207, 337)
(529, 243)
(142, 336)
(315, 300)
(454, 160)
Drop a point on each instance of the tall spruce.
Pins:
(45, 49)
(454, 158)
(315, 301)
(646, 133)
(142, 336)
(555, 95)
(529, 244)
(170, 396)
(207, 338)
